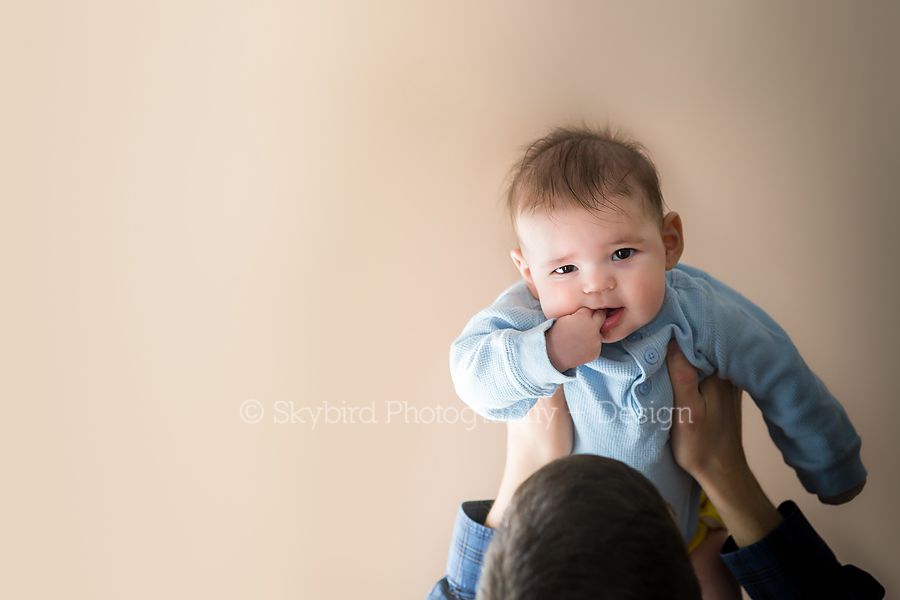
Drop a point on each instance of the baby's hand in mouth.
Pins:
(572, 341)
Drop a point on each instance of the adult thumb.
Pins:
(683, 376)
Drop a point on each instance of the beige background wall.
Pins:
(297, 202)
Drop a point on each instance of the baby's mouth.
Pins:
(613, 316)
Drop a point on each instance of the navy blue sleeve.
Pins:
(794, 562)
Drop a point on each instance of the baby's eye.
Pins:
(623, 253)
(565, 270)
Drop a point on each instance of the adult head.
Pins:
(585, 526)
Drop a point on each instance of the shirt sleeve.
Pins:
(806, 422)
(499, 363)
(466, 557)
(794, 562)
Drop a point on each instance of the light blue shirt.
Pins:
(621, 403)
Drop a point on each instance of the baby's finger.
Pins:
(583, 311)
(599, 317)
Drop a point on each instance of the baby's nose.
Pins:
(600, 282)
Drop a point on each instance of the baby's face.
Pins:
(615, 260)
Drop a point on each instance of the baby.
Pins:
(602, 294)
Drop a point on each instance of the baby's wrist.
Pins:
(553, 354)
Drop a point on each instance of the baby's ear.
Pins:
(522, 266)
(673, 239)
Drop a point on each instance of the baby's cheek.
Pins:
(559, 300)
(556, 307)
(653, 300)
(550, 311)
(551, 307)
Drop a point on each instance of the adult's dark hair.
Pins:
(583, 167)
(585, 526)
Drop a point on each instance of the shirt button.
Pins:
(651, 356)
(634, 337)
(645, 387)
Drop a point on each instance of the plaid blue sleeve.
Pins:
(794, 562)
(466, 557)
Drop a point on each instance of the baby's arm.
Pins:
(509, 355)
(804, 419)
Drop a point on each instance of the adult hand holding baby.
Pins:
(542, 436)
(575, 340)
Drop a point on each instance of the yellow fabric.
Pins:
(709, 519)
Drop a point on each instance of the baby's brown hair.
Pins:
(582, 167)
